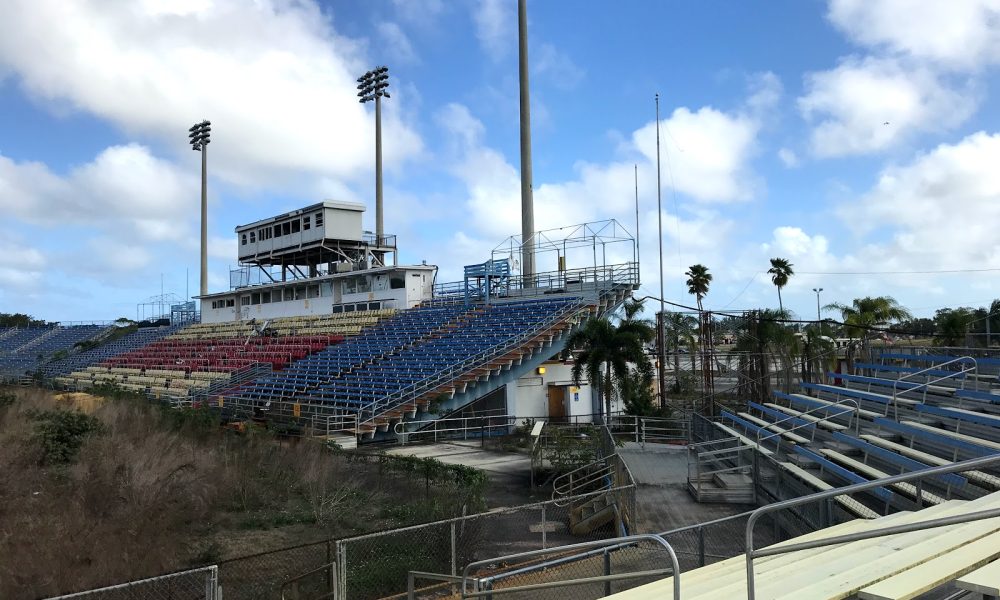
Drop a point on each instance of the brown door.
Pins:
(557, 403)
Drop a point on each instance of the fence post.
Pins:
(342, 569)
(454, 551)
(701, 546)
(329, 573)
(409, 586)
(607, 572)
(544, 528)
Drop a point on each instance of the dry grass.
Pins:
(148, 496)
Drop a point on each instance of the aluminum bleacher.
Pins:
(24, 350)
(400, 364)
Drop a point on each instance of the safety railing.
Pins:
(467, 364)
(651, 430)
(716, 457)
(479, 426)
(570, 280)
(486, 586)
(926, 384)
(809, 424)
(590, 477)
(328, 425)
(751, 552)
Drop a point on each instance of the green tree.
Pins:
(680, 331)
(606, 351)
(781, 271)
(952, 326)
(865, 316)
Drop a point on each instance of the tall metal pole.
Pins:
(378, 170)
(659, 219)
(527, 200)
(636, 167)
(818, 317)
(204, 219)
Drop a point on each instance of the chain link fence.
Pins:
(196, 584)
(376, 565)
(261, 576)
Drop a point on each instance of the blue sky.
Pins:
(849, 136)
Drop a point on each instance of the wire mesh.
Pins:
(196, 584)
(261, 576)
(376, 565)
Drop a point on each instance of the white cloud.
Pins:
(868, 105)
(706, 153)
(555, 66)
(124, 189)
(396, 43)
(940, 209)
(495, 29)
(274, 78)
(788, 158)
(957, 34)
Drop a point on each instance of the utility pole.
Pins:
(818, 290)
(527, 195)
(659, 219)
(199, 137)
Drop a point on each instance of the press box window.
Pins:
(286, 228)
(230, 302)
(319, 219)
(253, 237)
(244, 239)
(244, 300)
(306, 220)
(295, 226)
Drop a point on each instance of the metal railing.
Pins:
(194, 584)
(483, 587)
(290, 589)
(591, 477)
(926, 384)
(652, 430)
(751, 552)
(729, 459)
(477, 426)
(775, 434)
(571, 280)
(455, 370)
(328, 425)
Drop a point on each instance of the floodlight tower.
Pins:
(371, 86)
(199, 134)
(527, 194)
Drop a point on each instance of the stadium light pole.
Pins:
(527, 193)
(818, 290)
(371, 87)
(199, 138)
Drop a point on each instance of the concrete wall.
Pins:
(529, 395)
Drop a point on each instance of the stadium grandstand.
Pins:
(880, 479)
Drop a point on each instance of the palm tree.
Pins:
(698, 281)
(679, 329)
(780, 271)
(606, 351)
(864, 316)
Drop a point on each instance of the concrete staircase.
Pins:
(593, 514)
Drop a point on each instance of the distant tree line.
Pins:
(20, 320)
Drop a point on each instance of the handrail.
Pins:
(857, 416)
(965, 465)
(559, 489)
(926, 384)
(506, 421)
(675, 566)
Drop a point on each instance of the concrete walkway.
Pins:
(662, 499)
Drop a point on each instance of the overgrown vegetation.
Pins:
(99, 490)
(20, 320)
